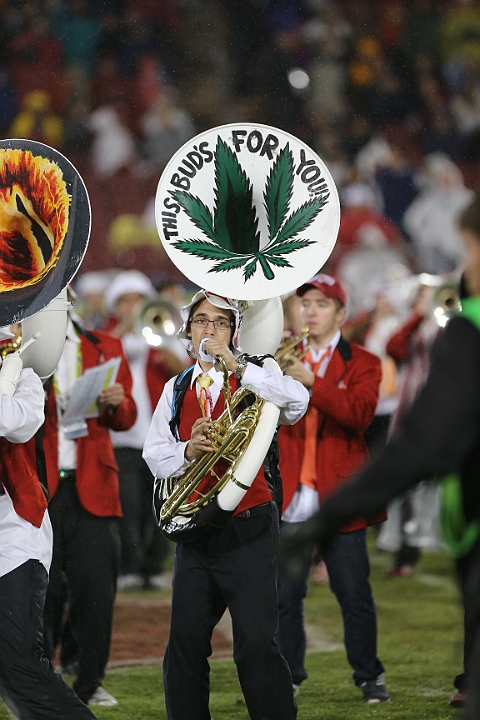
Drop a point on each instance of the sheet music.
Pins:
(83, 399)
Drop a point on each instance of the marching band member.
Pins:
(29, 684)
(143, 546)
(85, 506)
(232, 567)
(316, 456)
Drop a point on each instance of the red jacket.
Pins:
(347, 398)
(19, 475)
(96, 476)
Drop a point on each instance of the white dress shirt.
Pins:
(165, 455)
(137, 350)
(21, 415)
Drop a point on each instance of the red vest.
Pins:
(259, 493)
(18, 474)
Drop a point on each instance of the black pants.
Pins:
(235, 568)
(468, 569)
(86, 549)
(28, 682)
(348, 570)
(144, 548)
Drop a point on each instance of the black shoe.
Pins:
(375, 691)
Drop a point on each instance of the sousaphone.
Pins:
(249, 212)
(44, 230)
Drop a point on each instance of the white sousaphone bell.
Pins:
(45, 224)
(249, 212)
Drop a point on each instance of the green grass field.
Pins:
(420, 644)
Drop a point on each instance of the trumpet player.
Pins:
(318, 455)
(234, 566)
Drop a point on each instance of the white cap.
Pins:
(129, 281)
(358, 195)
(217, 301)
(92, 283)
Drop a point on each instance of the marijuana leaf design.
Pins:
(232, 229)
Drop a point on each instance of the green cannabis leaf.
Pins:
(236, 222)
(301, 218)
(197, 211)
(278, 190)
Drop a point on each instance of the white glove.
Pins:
(10, 372)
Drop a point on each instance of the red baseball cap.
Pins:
(328, 285)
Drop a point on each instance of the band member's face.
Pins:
(321, 315)
(128, 304)
(206, 311)
(472, 262)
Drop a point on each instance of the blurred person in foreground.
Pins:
(316, 455)
(144, 548)
(29, 684)
(440, 435)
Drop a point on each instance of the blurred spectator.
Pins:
(166, 127)
(113, 146)
(387, 101)
(440, 135)
(396, 181)
(465, 107)
(328, 145)
(460, 40)
(7, 100)
(328, 35)
(108, 84)
(136, 40)
(35, 121)
(78, 136)
(363, 69)
(420, 31)
(359, 214)
(78, 31)
(431, 219)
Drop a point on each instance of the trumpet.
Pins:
(445, 302)
(158, 320)
(294, 346)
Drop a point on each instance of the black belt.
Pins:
(64, 474)
(253, 510)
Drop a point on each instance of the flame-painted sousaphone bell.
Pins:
(44, 230)
(249, 212)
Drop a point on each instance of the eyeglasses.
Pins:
(221, 324)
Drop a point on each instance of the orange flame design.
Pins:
(34, 208)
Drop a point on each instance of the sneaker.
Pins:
(458, 698)
(159, 582)
(375, 691)
(130, 581)
(103, 698)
